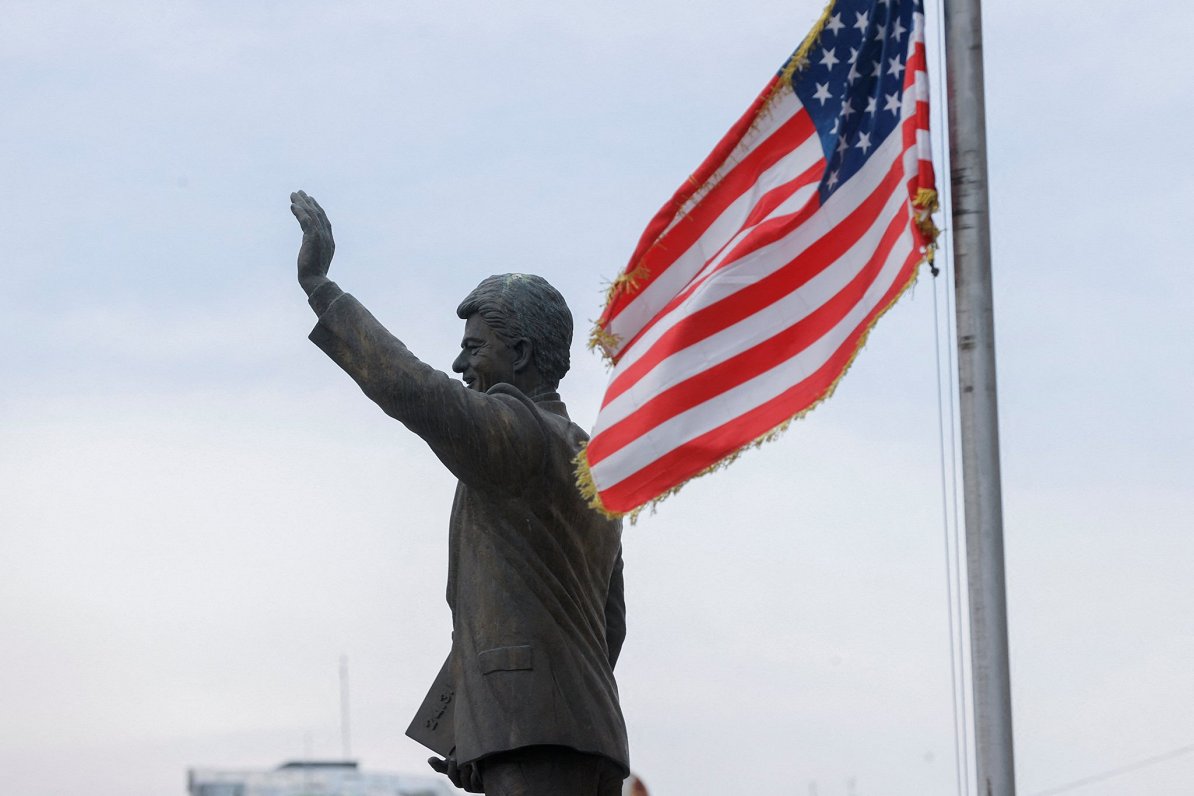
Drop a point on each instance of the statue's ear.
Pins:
(523, 348)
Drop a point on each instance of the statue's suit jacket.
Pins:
(534, 574)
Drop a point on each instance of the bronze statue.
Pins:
(526, 703)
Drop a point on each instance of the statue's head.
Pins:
(518, 330)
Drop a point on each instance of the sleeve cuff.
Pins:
(323, 296)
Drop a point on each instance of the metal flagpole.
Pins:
(977, 399)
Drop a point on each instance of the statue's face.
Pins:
(485, 359)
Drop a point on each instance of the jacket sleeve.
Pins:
(486, 440)
(615, 613)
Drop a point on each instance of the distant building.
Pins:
(312, 778)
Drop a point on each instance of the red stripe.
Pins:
(777, 196)
(748, 364)
(770, 232)
(917, 60)
(926, 177)
(706, 170)
(689, 229)
(709, 320)
(698, 178)
(703, 214)
(712, 319)
(739, 180)
(913, 124)
(811, 175)
(763, 234)
(664, 249)
(696, 455)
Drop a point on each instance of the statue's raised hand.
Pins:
(315, 255)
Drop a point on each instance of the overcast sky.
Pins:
(200, 513)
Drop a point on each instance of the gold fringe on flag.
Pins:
(605, 341)
(600, 338)
(799, 59)
(625, 281)
(925, 204)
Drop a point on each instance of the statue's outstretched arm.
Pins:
(485, 440)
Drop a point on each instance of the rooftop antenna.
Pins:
(345, 735)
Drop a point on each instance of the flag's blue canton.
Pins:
(852, 83)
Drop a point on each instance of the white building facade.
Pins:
(335, 778)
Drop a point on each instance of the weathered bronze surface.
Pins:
(526, 702)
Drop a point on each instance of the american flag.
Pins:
(755, 286)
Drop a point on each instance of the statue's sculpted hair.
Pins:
(525, 305)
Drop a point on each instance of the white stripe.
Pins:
(774, 115)
(635, 315)
(647, 448)
(750, 268)
(766, 322)
(791, 205)
(917, 92)
(717, 241)
(756, 328)
(680, 271)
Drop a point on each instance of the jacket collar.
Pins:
(550, 402)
